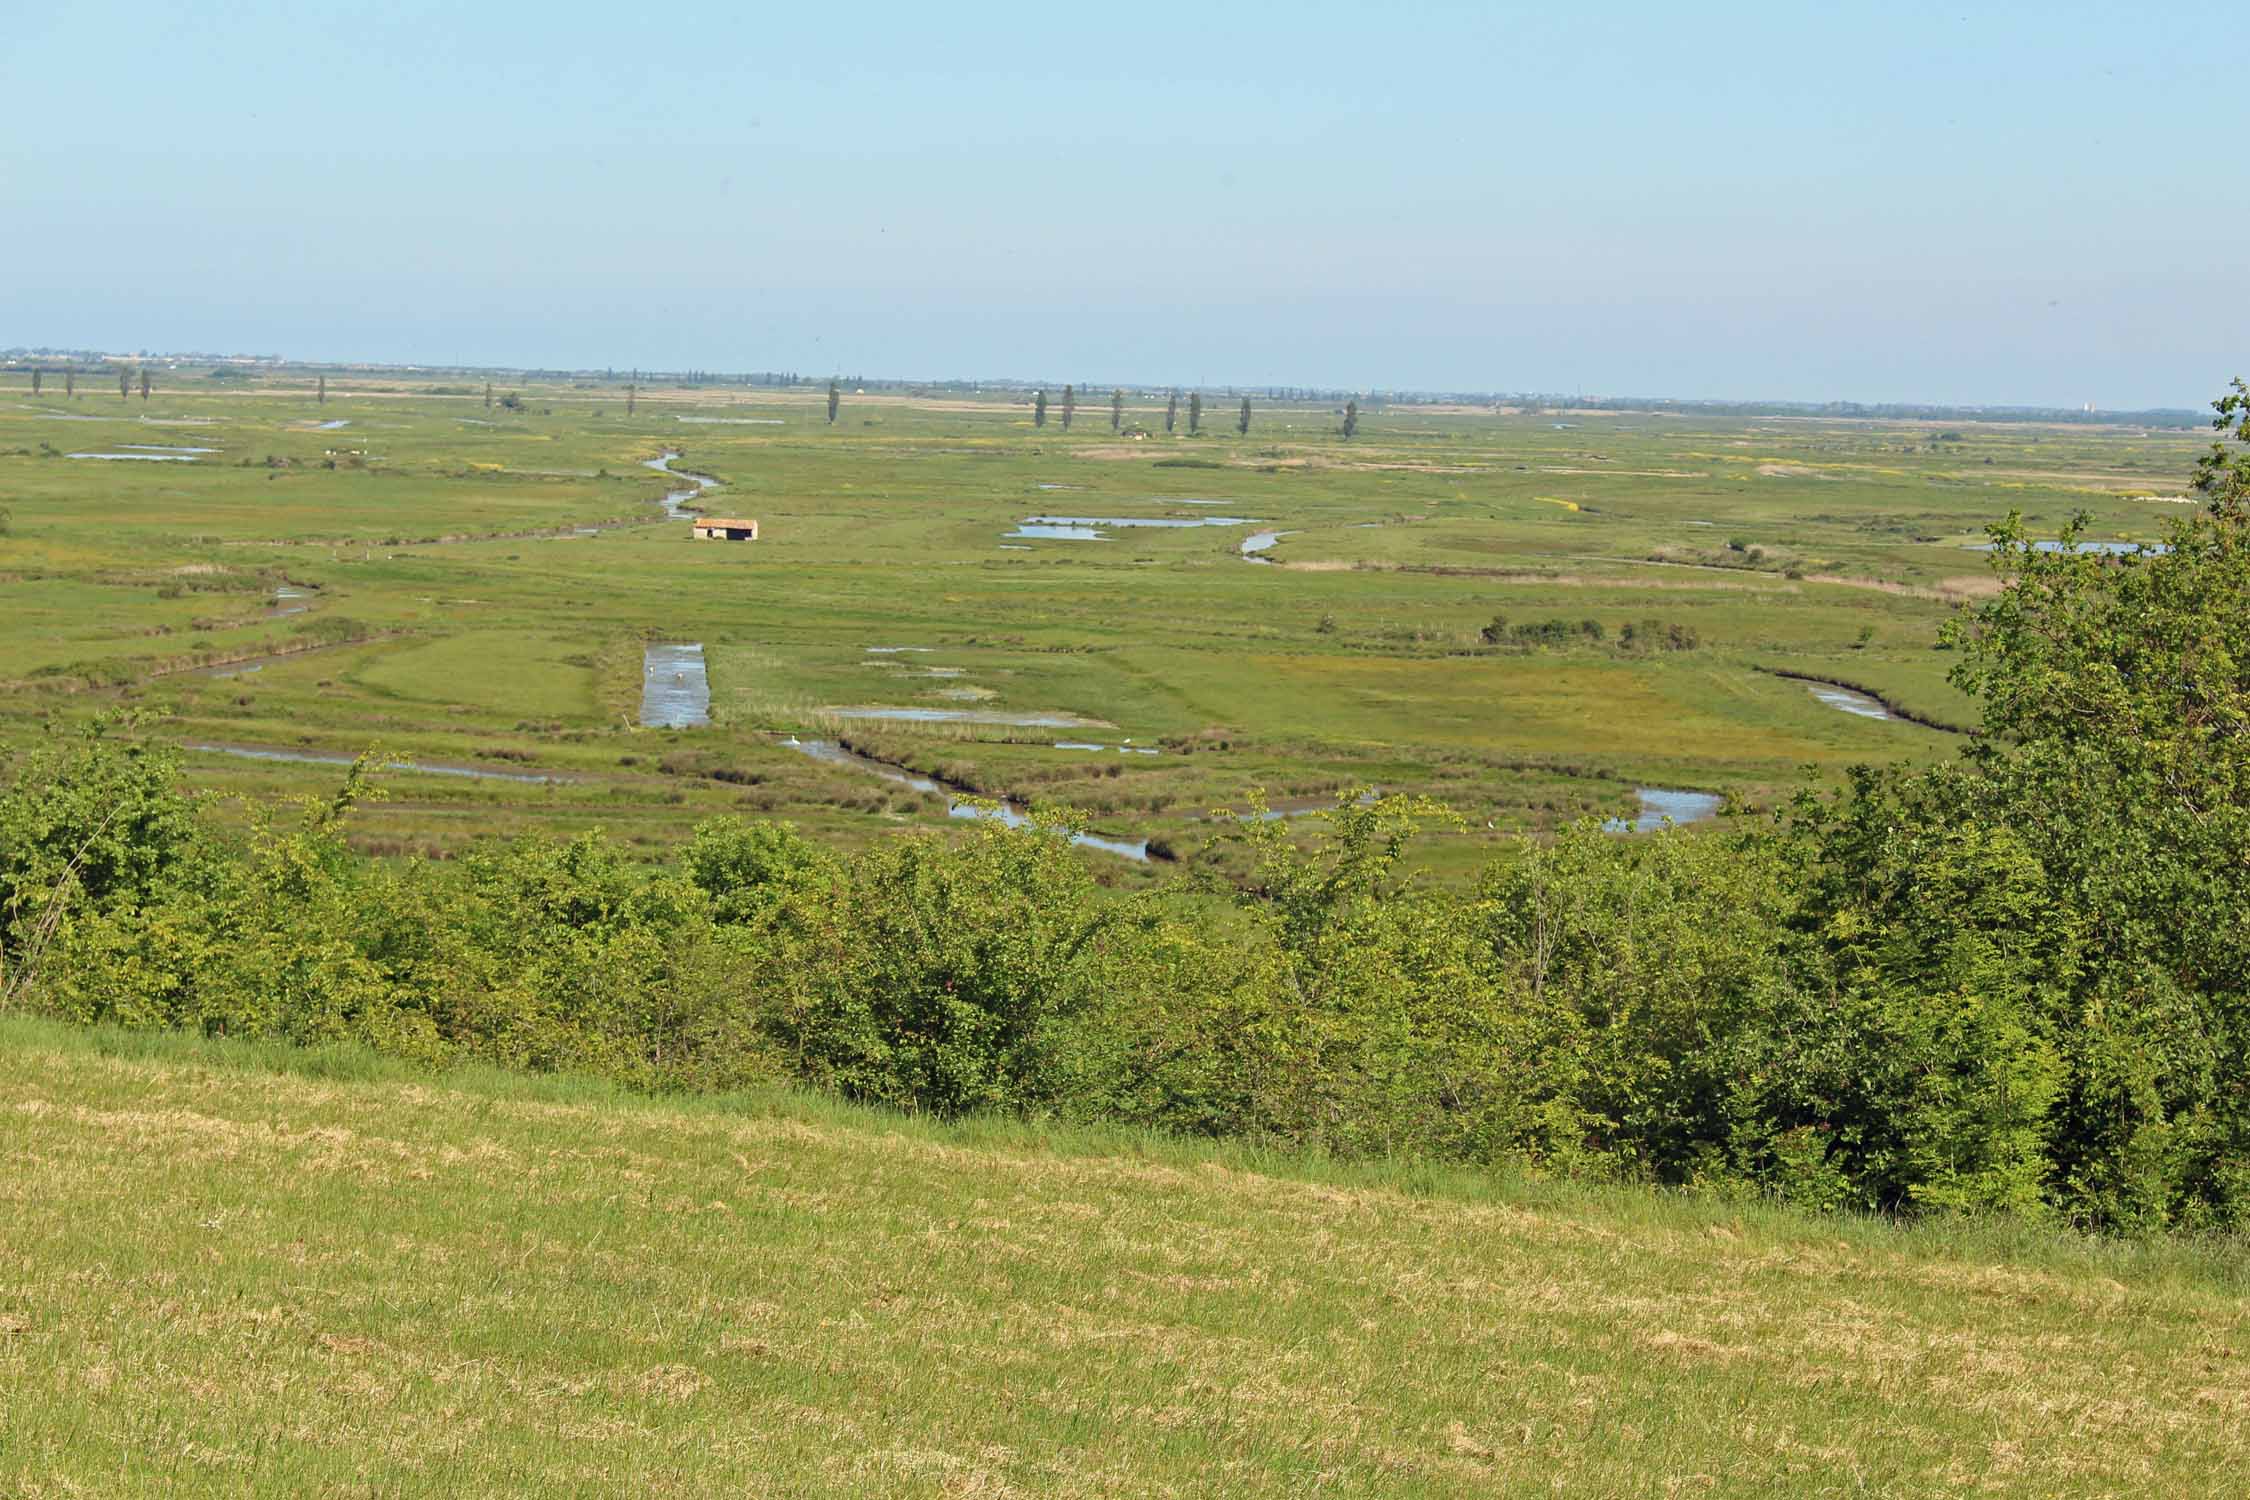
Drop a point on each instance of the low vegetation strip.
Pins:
(233, 1270)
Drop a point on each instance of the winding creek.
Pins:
(697, 483)
(956, 806)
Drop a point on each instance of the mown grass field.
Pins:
(478, 583)
(226, 1270)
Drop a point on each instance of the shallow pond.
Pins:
(1058, 533)
(333, 758)
(1659, 804)
(2114, 549)
(675, 687)
(956, 807)
(1166, 523)
(1258, 543)
(147, 458)
(961, 716)
(1090, 528)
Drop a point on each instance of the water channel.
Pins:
(335, 758)
(1849, 702)
(675, 686)
(697, 483)
(1661, 804)
(1008, 813)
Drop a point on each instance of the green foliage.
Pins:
(931, 974)
(89, 822)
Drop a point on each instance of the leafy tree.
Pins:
(1242, 422)
(1116, 410)
(35, 382)
(935, 974)
(322, 398)
(835, 398)
(1039, 409)
(144, 383)
(1070, 404)
(89, 822)
(70, 383)
(1171, 413)
(124, 384)
(2080, 879)
(1195, 413)
(746, 868)
(1351, 419)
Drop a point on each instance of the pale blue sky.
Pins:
(1999, 202)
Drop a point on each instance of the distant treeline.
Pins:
(24, 360)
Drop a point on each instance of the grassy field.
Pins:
(228, 1270)
(473, 585)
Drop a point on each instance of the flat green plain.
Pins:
(478, 585)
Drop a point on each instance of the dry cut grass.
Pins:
(216, 1277)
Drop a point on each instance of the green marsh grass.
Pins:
(232, 1269)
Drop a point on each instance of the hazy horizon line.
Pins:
(17, 356)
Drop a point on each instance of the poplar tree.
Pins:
(631, 391)
(1195, 414)
(1242, 423)
(35, 382)
(124, 384)
(1351, 419)
(70, 384)
(488, 395)
(1070, 404)
(1171, 413)
(1039, 409)
(144, 384)
(322, 398)
(1116, 410)
(835, 399)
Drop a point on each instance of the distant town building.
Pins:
(722, 529)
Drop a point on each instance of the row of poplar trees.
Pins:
(1171, 412)
(70, 382)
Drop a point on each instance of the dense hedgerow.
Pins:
(2019, 981)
